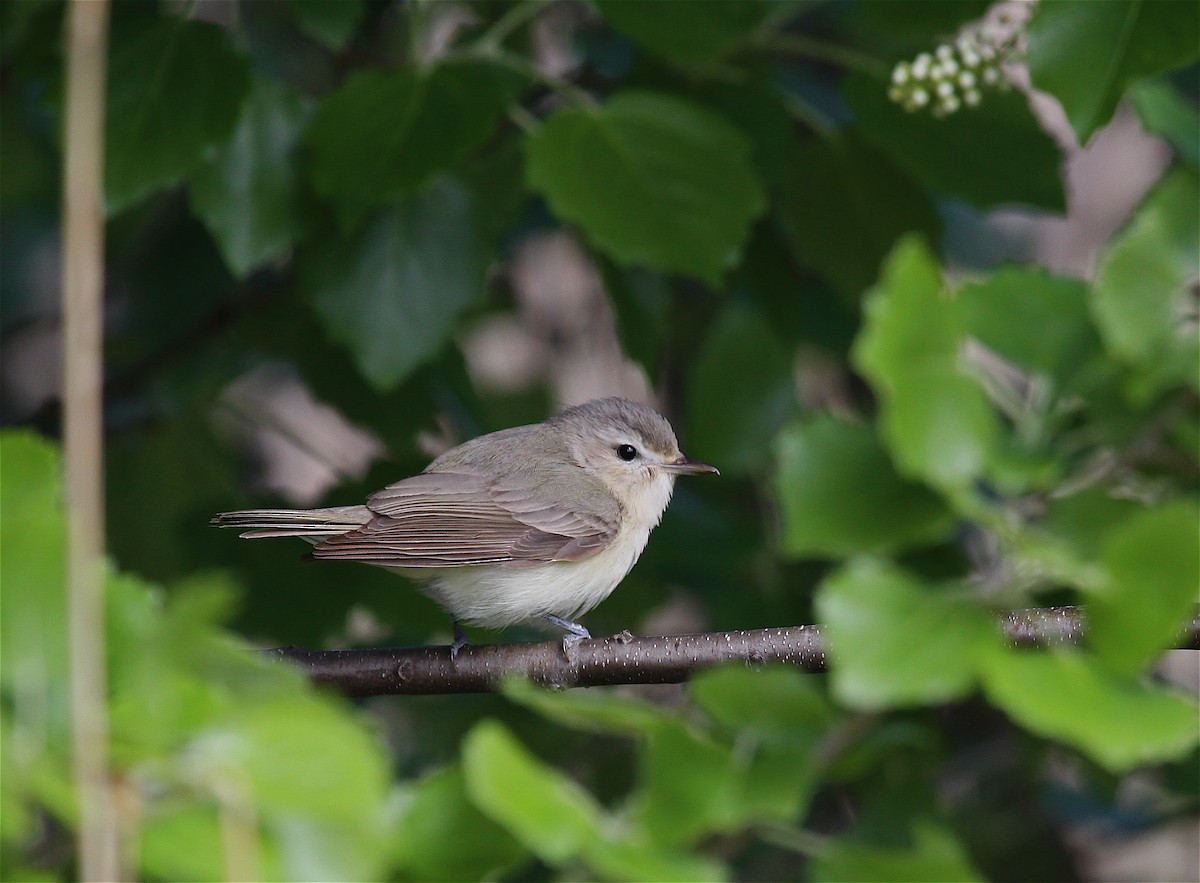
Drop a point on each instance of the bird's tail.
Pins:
(313, 525)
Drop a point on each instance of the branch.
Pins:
(621, 659)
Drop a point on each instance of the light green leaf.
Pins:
(936, 421)
(174, 93)
(840, 494)
(734, 413)
(384, 134)
(542, 808)
(1086, 53)
(597, 710)
(1001, 310)
(688, 31)
(894, 641)
(393, 293)
(1119, 722)
(440, 835)
(1153, 586)
(247, 192)
(936, 856)
(1165, 112)
(1142, 283)
(651, 180)
(777, 703)
(634, 860)
(688, 785)
(993, 155)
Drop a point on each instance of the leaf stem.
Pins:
(795, 44)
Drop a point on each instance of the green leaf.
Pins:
(688, 31)
(992, 155)
(440, 835)
(1001, 310)
(651, 180)
(543, 809)
(687, 785)
(163, 114)
(1164, 111)
(395, 290)
(247, 192)
(741, 392)
(840, 495)
(895, 641)
(777, 703)
(1119, 722)
(935, 855)
(844, 205)
(1143, 281)
(618, 858)
(936, 421)
(1086, 53)
(597, 710)
(1153, 586)
(330, 22)
(383, 134)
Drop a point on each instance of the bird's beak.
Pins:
(684, 466)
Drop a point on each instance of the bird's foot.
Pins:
(460, 641)
(574, 634)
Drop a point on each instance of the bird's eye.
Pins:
(627, 452)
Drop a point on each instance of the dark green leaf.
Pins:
(776, 704)
(895, 641)
(688, 785)
(936, 421)
(1086, 53)
(1002, 310)
(741, 392)
(687, 31)
(597, 710)
(845, 205)
(174, 93)
(393, 292)
(651, 180)
(247, 193)
(385, 133)
(992, 155)
(1153, 586)
(330, 22)
(840, 494)
(1119, 722)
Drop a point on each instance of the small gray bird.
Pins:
(536, 521)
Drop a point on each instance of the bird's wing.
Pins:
(450, 519)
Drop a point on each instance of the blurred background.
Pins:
(920, 277)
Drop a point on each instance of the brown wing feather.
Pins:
(457, 518)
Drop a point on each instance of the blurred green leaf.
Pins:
(543, 809)
(163, 115)
(1119, 722)
(687, 785)
(330, 22)
(393, 292)
(651, 180)
(936, 421)
(1001, 310)
(1086, 53)
(1142, 283)
(776, 703)
(1153, 586)
(184, 842)
(896, 642)
(596, 710)
(844, 205)
(936, 856)
(1165, 112)
(383, 134)
(247, 192)
(992, 155)
(741, 392)
(688, 31)
(628, 859)
(440, 835)
(840, 495)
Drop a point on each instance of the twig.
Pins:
(622, 659)
(83, 310)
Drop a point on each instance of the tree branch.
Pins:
(621, 659)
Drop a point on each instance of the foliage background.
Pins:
(351, 202)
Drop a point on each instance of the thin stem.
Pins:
(522, 12)
(83, 310)
(796, 44)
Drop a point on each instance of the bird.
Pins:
(536, 522)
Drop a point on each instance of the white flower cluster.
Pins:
(954, 75)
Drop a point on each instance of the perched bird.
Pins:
(539, 521)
